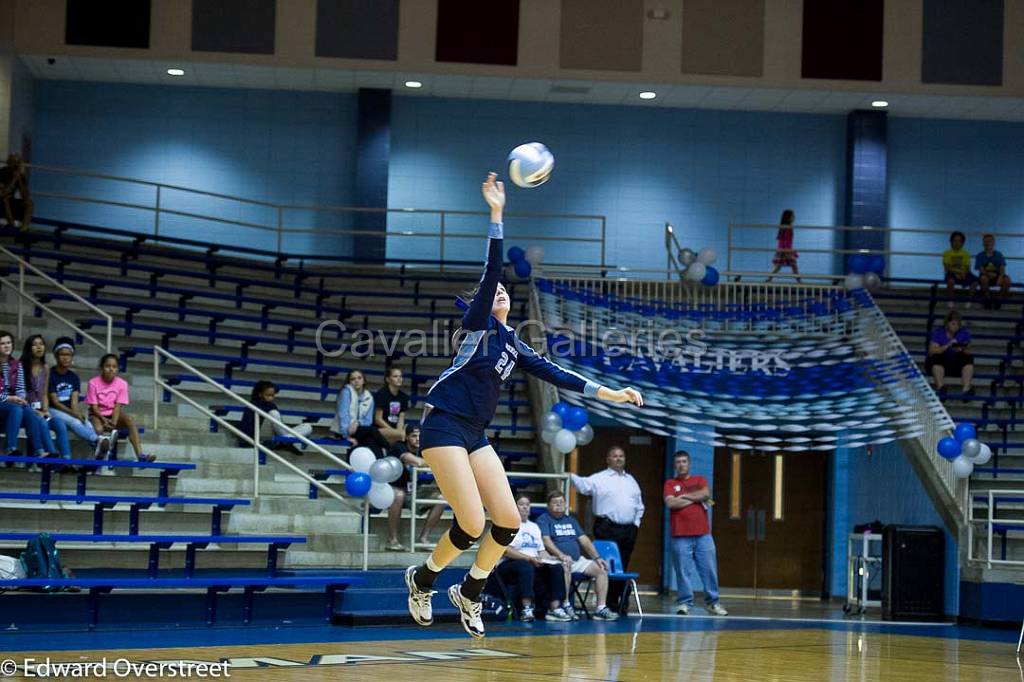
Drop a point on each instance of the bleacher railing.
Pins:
(928, 411)
(25, 296)
(990, 522)
(434, 235)
(254, 438)
(692, 296)
(417, 501)
(909, 252)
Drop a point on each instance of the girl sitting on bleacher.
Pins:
(12, 395)
(65, 389)
(37, 393)
(353, 418)
(107, 398)
(262, 396)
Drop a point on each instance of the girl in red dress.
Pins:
(784, 252)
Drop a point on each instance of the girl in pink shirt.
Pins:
(107, 398)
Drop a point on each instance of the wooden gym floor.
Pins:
(660, 647)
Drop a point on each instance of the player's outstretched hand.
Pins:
(494, 191)
(623, 395)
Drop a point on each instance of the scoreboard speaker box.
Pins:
(913, 573)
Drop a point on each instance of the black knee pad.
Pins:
(460, 538)
(503, 536)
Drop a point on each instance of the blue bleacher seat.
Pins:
(192, 542)
(102, 502)
(84, 466)
(213, 585)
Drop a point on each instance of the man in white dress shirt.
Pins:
(618, 508)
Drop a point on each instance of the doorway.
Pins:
(645, 460)
(769, 521)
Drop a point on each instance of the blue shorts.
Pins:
(444, 429)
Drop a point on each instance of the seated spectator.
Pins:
(262, 396)
(12, 183)
(527, 564)
(565, 540)
(37, 392)
(991, 267)
(12, 395)
(107, 398)
(353, 418)
(407, 451)
(390, 404)
(948, 353)
(64, 389)
(956, 263)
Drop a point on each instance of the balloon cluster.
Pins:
(565, 427)
(964, 449)
(698, 265)
(865, 272)
(523, 262)
(371, 477)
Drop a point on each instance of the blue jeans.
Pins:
(60, 430)
(690, 552)
(82, 429)
(10, 417)
(38, 432)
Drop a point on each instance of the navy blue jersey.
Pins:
(490, 352)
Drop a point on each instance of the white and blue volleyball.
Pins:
(530, 164)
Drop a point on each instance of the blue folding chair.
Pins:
(609, 551)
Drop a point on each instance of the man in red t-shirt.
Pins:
(692, 546)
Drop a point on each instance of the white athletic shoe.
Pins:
(469, 611)
(558, 615)
(716, 609)
(419, 600)
(605, 613)
(683, 610)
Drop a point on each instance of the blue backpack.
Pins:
(42, 560)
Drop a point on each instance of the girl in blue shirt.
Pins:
(461, 404)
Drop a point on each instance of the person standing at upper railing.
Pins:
(12, 184)
(785, 254)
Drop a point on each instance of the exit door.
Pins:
(769, 520)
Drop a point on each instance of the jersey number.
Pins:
(504, 366)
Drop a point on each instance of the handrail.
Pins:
(23, 295)
(931, 413)
(990, 521)
(416, 502)
(818, 247)
(254, 438)
(279, 225)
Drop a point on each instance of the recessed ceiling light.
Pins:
(879, 103)
(413, 84)
(175, 72)
(647, 94)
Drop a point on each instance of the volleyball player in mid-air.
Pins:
(461, 403)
